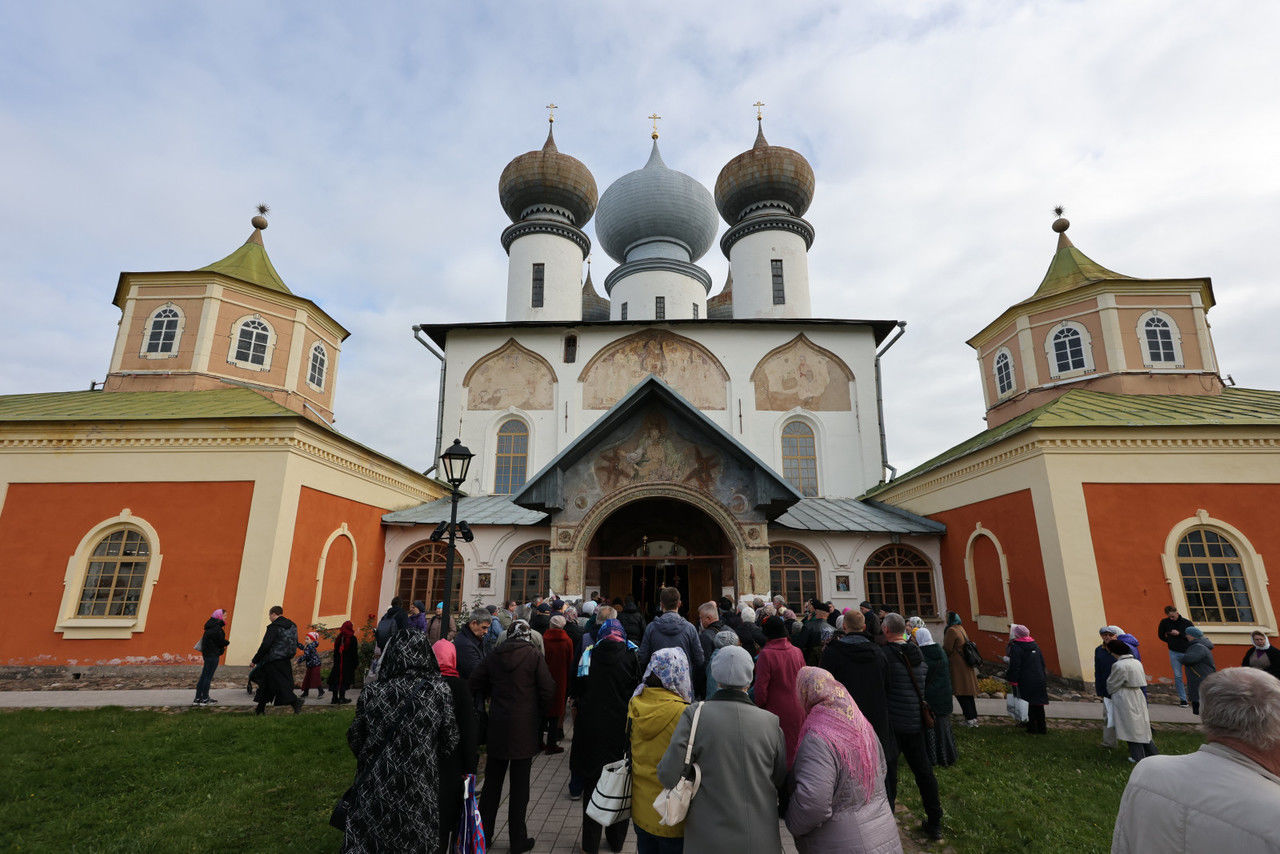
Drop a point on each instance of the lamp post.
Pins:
(455, 461)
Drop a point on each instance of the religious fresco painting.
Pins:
(510, 377)
(685, 365)
(800, 374)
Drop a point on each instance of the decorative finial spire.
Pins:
(654, 117)
(759, 112)
(260, 221)
(1060, 224)
(551, 117)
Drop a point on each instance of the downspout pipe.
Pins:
(431, 348)
(884, 443)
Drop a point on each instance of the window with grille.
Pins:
(660, 308)
(624, 311)
(901, 579)
(162, 337)
(571, 348)
(793, 574)
(1159, 341)
(420, 575)
(800, 457)
(1004, 372)
(1068, 350)
(117, 571)
(1213, 578)
(779, 290)
(695, 311)
(529, 572)
(512, 457)
(539, 278)
(315, 374)
(251, 342)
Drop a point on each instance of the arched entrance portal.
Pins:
(659, 542)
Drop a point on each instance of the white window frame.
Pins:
(987, 622)
(177, 335)
(335, 619)
(995, 372)
(235, 341)
(72, 627)
(522, 417)
(318, 348)
(1086, 347)
(1255, 575)
(1174, 333)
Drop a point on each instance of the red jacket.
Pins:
(776, 670)
(558, 647)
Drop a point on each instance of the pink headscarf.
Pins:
(1020, 633)
(219, 614)
(834, 717)
(446, 657)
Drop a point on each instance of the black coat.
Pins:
(904, 701)
(470, 651)
(214, 640)
(279, 641)
(461, 760)
(346, 655)
(600, 726)
(632, 623)
(1026, 670)
(516, 679)
(860, 666)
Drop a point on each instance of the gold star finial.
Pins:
(551, 116)
(654, 117)
(759, 112)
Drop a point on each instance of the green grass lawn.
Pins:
(203, 780)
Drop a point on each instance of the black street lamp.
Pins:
(455, 461)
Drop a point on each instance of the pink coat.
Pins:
(775, 690)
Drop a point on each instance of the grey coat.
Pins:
(828, 810)
(743, 758)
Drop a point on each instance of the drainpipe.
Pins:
(884, 444)
(425, 342)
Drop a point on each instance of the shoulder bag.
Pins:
(673, 804)
(611, 798)
(926, 713)
(969, 652)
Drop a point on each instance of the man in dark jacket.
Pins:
(815, 632)
(860, 666)
(873, 632)
(275, 663)
(396, 619)
(907, 672)
(671, 629)
(632, 620)
(470, 643)
(1173, 631)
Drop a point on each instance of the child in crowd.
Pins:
(311, 658)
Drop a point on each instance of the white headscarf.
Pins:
(924, 637)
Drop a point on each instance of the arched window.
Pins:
(529, 572)
(315, 374)
(793, 574)
(116, 573)
(800, 457)
(421, 575)
(512, 459)
(1161, 342)
(901, 579)
(163, 332)
(1004, 372)
(1213, 578)
(1068, 349)
(251, 343)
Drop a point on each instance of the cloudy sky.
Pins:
(140, 136)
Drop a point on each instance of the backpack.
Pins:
(386, 628)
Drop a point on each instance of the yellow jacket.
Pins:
(653, 715)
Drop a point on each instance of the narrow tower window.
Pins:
(800, 457)
(624, 311)
(1159, 341)
(512, 457)
(659, 308)
(779, 290)
(315, 373)
(571, 348)
(539, 274)
(695, 311)
(1004, 372)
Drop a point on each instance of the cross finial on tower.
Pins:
(551, 117)
(654, 117)
(759, 112)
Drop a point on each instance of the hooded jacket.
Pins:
(214, 640)
(600, 725)
(654, 713)
(516, 679)
(671, 630)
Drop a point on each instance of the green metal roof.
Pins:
(1071, 268)
(251, 264)
(1234, 407)
(140, 405)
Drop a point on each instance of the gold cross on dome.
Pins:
(759, 113)
(552, 108)
(655, 117)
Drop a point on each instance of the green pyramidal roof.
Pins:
(1071, 268)
(250, 263)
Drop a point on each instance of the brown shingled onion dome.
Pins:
(547, 177)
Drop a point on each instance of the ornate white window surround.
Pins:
(162, 333)
(1002, 370)
(986, 622)
(1068, 347)
(1255, 574)
(254, 339)
(1158, 336)
(331, 620)
(72, 627)
(318, 367)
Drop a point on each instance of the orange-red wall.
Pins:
(1130, 522)
(319, 515)
(201, 527)
(1012, 519)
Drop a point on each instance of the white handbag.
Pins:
(673, 804)
(611, 798)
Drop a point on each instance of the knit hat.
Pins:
(557, 621)
(726, 637)
(731, 667)
(314, 637)
(420, 605)
(1019, 631)
(774, 628)
(1194, 632)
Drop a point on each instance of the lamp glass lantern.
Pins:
(455, 461)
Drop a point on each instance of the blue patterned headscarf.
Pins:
(670, 665)
(611, 630)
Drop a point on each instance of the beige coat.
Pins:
(964, 679)
(1128, 703)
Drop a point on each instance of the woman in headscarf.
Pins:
(602, 693)
(940, 744)
(1026, 674)
(1263, 655)
(775, 686)
(418, 615)
(212, 644)
(653, 712)
(346, 655)
(1128, 703)
(723, 638)
(1198, 660)
(914, 624)
(404, 723)
(838, 801)
(964, 679)
(455, 764)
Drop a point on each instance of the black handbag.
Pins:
(969, 652)
(338, 818)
